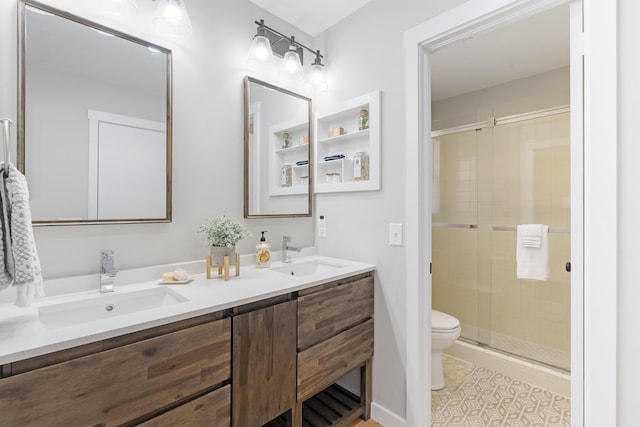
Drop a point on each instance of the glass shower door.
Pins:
(485, 183)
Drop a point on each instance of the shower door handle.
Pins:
(567, 267)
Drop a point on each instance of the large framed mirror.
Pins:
(277, 152)
(94, 121)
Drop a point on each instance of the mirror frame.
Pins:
(247, 81)
(21, 141)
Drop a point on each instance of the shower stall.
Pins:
(488, 177)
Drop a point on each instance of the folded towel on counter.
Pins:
(532, 252)
(19, 263)
(333, 157)
(302, 162)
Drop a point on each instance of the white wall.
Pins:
(208, 69)
(365, 52)
(628, 374)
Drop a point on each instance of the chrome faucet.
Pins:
(286, 247)
(107, 272)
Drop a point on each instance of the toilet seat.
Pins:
(443, 322)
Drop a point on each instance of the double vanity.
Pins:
(265, 348)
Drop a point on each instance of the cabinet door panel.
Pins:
(325, 363)
(323, 314)
(264, 364)
(122, 384)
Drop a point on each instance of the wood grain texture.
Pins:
(107, 344)
(264, 364)
(325, 363)
(213, 409)
(118, 385)
(323, 314)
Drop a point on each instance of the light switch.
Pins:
(322, 227)
(395, 234)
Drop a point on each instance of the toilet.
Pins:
(445, 329)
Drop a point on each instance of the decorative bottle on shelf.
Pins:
(364, 120)
(263, 253)
(360, 166)
(285, 175)
(285, 140)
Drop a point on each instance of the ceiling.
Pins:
(311, 16)
(525, 48)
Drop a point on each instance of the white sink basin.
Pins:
(105, 306)
(306, 268)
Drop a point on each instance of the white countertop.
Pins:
(23, 335)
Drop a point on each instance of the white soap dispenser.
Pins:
(263, 253)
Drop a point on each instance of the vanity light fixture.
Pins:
(268, 42)
(171, 18)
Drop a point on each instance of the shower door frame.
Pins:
(594, 44)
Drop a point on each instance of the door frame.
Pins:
(593, 196)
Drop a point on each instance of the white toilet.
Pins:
(445, 329)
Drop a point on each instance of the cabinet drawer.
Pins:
(325, 363)
(213, 409)
(122, 384)
(323, 314)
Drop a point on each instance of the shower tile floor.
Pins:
(476, 396)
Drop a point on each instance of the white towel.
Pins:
(532, 252)
(19, 263)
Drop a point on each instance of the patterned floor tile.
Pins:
(476, 396)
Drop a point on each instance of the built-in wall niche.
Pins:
(347, 145)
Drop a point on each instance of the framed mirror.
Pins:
(277, 152)
(94, 121)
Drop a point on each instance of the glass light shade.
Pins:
(171, 18)
(117, 8)
(291, 62)
(261, 49)
(316, 75)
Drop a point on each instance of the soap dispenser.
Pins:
(263, 253)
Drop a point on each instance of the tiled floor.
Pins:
(476, 396)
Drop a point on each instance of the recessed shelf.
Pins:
(346, 116)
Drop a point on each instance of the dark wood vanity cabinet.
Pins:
(335, 337)
(141, 378)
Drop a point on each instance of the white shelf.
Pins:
(346, 137)
(298, 149)
(346, 115)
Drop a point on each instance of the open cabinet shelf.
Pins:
(334, 406)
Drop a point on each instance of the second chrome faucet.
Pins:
(286, 248)
(107, 271)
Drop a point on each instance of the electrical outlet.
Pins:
(395, 234)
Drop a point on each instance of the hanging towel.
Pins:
(19, 263)
(532, 252)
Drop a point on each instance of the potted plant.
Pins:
(222, 236)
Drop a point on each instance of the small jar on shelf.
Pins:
(285, 175)
(333, 178)
(363, 123)
(360, 166)
(285, 140)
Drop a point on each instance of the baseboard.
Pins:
(385, 417)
